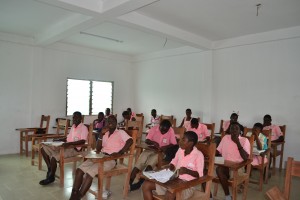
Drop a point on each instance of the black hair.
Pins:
(108, 109)
(268, 116)
(77, 113)
(235, 123)
(113, 117)
(124, 113)
(258, 125)
(188, 109)
(165, 123)
(153, 110)
(191, 136)
(100, 113)
(234, 114)
(129, 109)
(194, 121)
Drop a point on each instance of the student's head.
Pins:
(267, 120)
(107, 111)
(194, 123)
(234, 117)
(100, 116)
(111, 122)
(188, 112)
(257, 128)
(77, 117)
(164, 126)
(129, 110)
(189, 140)
(235, 129)
(153, 113)
(126, 115)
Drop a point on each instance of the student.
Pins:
(186, 121)
(200, 130)
(113, 142)
(107, 113)
(159, 137)
(188, 160)
(99, 123)
(155, 119)
(277, 135)
(51, 154)
(234, 148)
(261, 143)
(126, 116)
(131, 114)
(233, 118)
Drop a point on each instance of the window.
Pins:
(88, 97)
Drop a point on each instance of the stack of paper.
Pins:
(257, 152)
(161, 176)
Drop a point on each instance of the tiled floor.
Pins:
(19, 181)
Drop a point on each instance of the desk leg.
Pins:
(21, 143)
(26, 144)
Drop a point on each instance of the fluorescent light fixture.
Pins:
(103, 37)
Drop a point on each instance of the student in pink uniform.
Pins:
(107, 113)
(260, 143)
(186, 121)
(200, 129)
(235, 148)
(155, 119)
(98, 124)
(51, 154)
(277, 135)
(233, 118)
(131, 114)
(159, 137)
(113, 142)
(188, 160)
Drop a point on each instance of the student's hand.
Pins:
(183, 170)
(172, 167)
(235, 139)
(115, 154)
(66, 144)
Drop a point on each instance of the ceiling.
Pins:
(134, 27)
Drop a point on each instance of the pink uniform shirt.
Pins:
(202, 131)
(155, 121)
(115, 142)
(162, 139)
(276, 132)
(229, 149)
(99, 124)
(78, 133)
(187, 123)
(193, 161)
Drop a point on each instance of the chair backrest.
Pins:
(208, 151)
(221, 126)
(62, 124)
(292, 169)
(141, 119)
(170, 118)
(211, 128)
(135, 125)
(45, 120)
(90, 137)
(133, 134)
(139, 114)
(283, 129)
(179, 132)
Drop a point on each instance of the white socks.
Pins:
(228, 197)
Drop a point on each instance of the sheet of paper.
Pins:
(58, 143)
(161, 176)
(219, 160)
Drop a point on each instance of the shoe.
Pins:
(106, 194)
(47, 181)
(136, 186)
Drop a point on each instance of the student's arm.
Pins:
(184, 170)
(280, 139)
(94, 123)
(66, 144)
(64, 139)
(150, 142)
(242, 151)
(164, 148)
(172, 167)
(125, 148)
(258, 143)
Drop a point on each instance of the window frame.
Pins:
(90, 94)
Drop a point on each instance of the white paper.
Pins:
(161, 176)
(58, 143)
(219, 160)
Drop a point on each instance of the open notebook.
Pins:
(162, 175)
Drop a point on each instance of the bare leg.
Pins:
(133, 174)
(86, 184)
(46, 158)
(170, 196)
(223, 175)
(147, 188)
(77, 184)
(53, 167)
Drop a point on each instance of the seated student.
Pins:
(126, 116)
(161, 137)
(277, 135)
(51, 154)
(131, 114)
(261, 142)
(99, 123)
(200, 130)
(188, 160)
(233, 118)
(186, 121)
(155, 119)
(107, 113)
(235, 148)
(113, 142)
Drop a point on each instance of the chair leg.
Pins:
(62, 173)
(21, 143)
(26, 145)
(107, 183)
(261, 177)
(274, 163)
(216, 185)
(32, 156)
(74, 168)
(267, 173)
(40, 158)
(245, 189)
(281, 157)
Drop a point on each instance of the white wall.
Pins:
(173, 83)
(260, 79)
(33, 82)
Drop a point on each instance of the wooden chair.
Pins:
(211, 128)
(265, 159)
(221, 126)
(119, 169)
(177, 185)
(278, 152)
(138, 124)
(179, 132)
(292, 169)
(139, 114)
(26, 137)
(75, 159)
(170, 118)
(62, 124)
(237, 178)
(88, 119)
